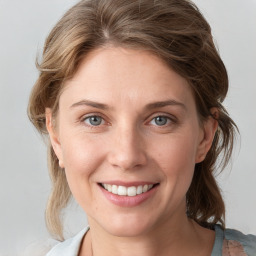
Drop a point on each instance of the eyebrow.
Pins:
(158, 104)
(90, 103)
(161, 104)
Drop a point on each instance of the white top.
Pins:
(228, 242)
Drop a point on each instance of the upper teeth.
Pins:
(127, 191)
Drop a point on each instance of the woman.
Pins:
(130, 94)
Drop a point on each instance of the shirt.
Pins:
(228, 242)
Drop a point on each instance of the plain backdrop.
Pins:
(24, 182)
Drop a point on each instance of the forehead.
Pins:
(128, 74)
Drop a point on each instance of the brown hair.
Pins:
(174, 30)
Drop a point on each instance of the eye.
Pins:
(160, 120)
(94, 120)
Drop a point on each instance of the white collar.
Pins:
(69, 247)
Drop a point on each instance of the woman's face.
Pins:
(127, 123)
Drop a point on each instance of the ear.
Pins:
(54, 138)
(209, 128)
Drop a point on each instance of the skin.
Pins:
(129, 145)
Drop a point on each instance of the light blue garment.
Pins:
(247, 241)
(71, 246)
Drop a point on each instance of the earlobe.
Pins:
(54, 138)
(209, 129)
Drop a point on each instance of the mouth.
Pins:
(128, 191)
(128, 194)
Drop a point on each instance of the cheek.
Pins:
(176, 158)
(81, 154)
(81, 157)
(177, 150)
(178, 169)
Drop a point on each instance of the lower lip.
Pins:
(128, 201)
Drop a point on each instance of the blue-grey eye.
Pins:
(161, 120)
(94, 120)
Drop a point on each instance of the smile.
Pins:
(127, 191)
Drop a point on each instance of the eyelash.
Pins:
(91, 116)
(169, 120)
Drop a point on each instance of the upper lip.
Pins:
(128, 184)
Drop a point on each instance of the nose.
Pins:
(127, 150)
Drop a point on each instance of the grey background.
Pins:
(24, 182)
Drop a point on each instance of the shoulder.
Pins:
(235, 239)
(69, 247)
(231, 242)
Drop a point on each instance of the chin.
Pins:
(129, 226)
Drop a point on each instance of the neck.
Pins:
(183, 238)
